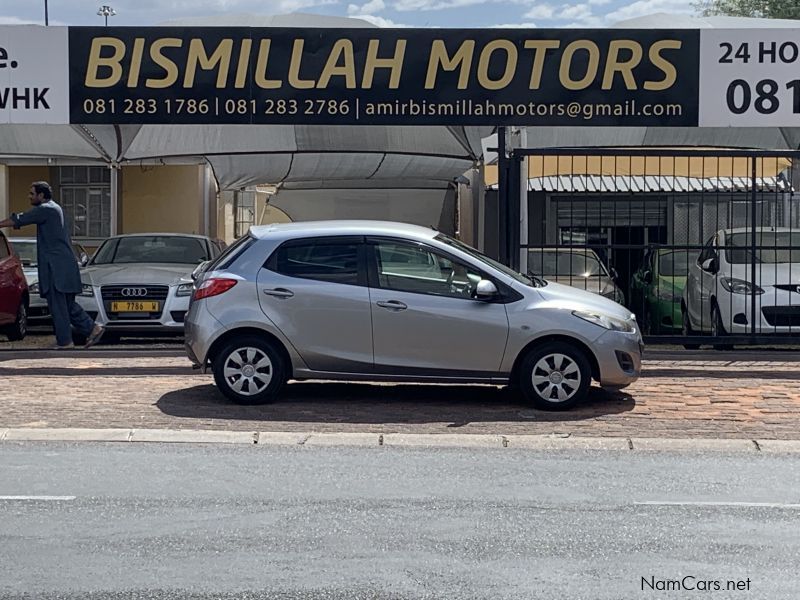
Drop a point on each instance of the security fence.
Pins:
(703, 246)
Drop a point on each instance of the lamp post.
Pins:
(106, 11)
(45, 14)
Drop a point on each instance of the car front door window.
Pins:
(408, 267)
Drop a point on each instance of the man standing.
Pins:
(59, 277)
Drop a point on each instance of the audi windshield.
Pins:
(153, 249)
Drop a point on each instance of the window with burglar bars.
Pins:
(244, 210)
(84, 193)
(700, 245)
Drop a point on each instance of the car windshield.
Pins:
(674, 264)
(772, 247)
(26, 251)
(446, 239)
(565, 263)
(152, 249)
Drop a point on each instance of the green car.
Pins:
(657, 289)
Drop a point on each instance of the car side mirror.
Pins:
(647, 277)
(710, 265)
(199, 269)
(614, 274)
(84, 259)
(486, 290)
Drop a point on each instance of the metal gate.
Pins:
(702, 245)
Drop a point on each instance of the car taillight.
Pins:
(213, 287)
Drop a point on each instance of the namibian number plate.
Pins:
(131, 306)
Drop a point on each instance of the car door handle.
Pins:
(279, 293)
(392, 304)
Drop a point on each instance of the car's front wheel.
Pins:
(17, 330)
(249, 370)
(555, 376)
(686, 328)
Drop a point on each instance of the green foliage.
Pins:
(770, 9)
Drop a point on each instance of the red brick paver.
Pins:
(674, 399)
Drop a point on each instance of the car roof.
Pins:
(129, 235)
(341, 227)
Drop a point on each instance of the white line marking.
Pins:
(736, 504)
(44, 498)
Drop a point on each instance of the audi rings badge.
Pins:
(134, 292)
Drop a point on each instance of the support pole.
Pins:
(114, 197)
(503, 199)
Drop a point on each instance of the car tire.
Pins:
(686, 328)
(555, 376)
(19, 328)
(240, 378)
(718, 327)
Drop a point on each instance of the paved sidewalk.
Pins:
(694, 399)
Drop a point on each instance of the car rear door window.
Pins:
(321, 260)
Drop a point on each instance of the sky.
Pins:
(385, 13)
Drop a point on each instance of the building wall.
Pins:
(161, 198)
(19, 185)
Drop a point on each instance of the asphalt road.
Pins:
(200, 522)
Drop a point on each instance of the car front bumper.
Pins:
(170, 319)
(619, 358)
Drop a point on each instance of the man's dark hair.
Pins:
(42, 187)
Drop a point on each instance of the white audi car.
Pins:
(140, 283)
(719, 292)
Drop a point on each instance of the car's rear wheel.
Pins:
(686, 328)
(19, 328)
(555, 376)
(249, 370)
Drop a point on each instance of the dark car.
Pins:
(13, 293)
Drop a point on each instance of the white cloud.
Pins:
(424, 5)
(648, 7)
(540, 11)
(379, 21)
(528, 25)
(17, 21)
(370, 8)
(599, 2)
(575, 11)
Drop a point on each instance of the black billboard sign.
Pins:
(383, 76)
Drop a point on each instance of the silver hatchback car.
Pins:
(379, 301)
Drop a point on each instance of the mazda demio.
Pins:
(379, 301)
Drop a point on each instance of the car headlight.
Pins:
(605, 321)
(34, 288)
(185, 289)
(87, 290)
(740, 286)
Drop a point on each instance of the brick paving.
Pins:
(676, 399)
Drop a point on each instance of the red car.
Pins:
(13, 293)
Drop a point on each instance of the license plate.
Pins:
(134, 306)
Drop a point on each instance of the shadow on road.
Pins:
(377, 404)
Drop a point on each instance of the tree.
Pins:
(769, 9)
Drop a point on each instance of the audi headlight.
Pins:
(87, 290)
(740, 286)
(605, 321)
(185, 289)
